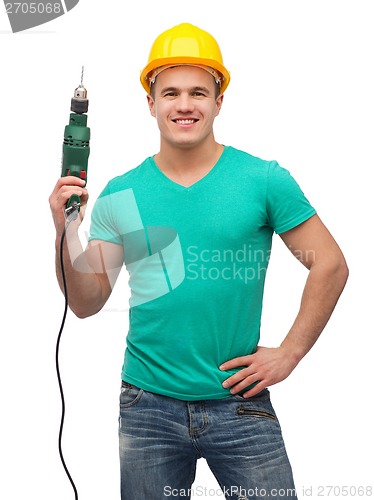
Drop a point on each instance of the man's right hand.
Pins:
(66, 187)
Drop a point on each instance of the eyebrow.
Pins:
(192, 89)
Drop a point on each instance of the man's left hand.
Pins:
(267, 366)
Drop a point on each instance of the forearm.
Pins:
(82, 283)
(322, 290)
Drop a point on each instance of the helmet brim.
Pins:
(178, 61)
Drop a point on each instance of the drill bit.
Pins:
(82, 77)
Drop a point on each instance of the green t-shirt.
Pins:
(197, 259)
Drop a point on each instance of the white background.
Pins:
(301, 93)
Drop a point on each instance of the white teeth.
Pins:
(184, 122)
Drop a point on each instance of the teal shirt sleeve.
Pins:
(286, 204)
(103, 226)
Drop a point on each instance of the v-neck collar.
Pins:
(179, 187)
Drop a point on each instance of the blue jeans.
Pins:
(161, 439)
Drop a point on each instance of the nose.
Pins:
(185, 103)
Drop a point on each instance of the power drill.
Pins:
(76, 146)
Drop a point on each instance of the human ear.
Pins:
(151, 105)
(219, 101)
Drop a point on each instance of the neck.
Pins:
(186, 165)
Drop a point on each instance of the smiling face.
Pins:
(185, 104)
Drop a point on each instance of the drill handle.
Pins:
(77, 171)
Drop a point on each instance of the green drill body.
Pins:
(76, 146)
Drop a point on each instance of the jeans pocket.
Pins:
(255, 412)
(256, 406)
(130, 395)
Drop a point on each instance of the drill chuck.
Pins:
(79, 102)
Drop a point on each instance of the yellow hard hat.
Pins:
(185, 44)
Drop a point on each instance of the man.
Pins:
(193, 225)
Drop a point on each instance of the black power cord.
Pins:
(72, 216)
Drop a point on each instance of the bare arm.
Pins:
(90, 273)
(314, 246)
